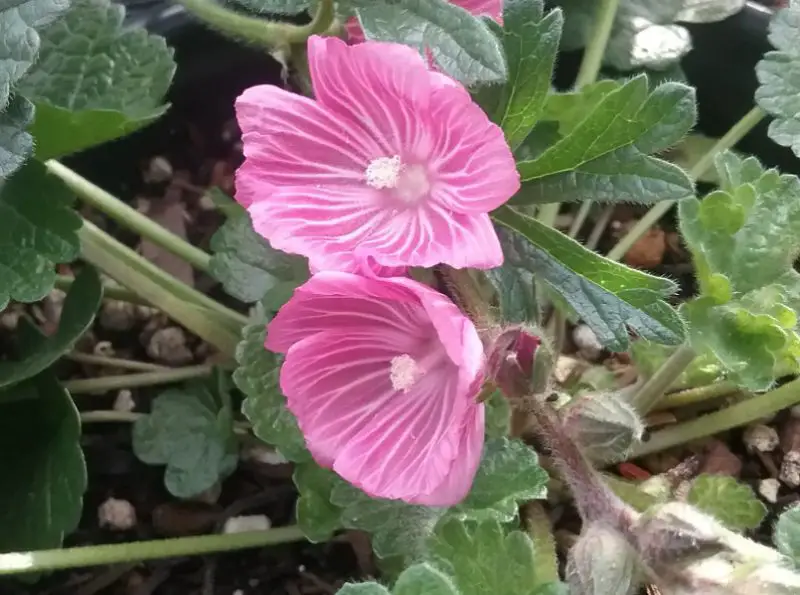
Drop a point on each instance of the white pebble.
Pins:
(117, 515)
(586, 342)
(768, 488)
(243, 524)
(761, 438)
(790, 469)
(124, 401)
(263, 454)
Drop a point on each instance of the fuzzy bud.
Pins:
(510, 358)
(606, 426)
(601, 562)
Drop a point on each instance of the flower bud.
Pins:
(601, 563)
(510, 359)
(606, 426)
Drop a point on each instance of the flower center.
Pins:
(408, 183)
(404, 372)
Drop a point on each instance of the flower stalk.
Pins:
(103, 384)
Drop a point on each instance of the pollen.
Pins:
(384, 172)
(404, 372)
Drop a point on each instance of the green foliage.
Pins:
(37, 230)
(44, 473)
(250, 269)
(463, 46)
(787, 534)
(743, 238)
(189, 430)
(608, 296)
(282, 7)
(732, 503)
(317, 516)
(419, 579)
(779, 77)
(607, 134)
(649, 357)
(516, 292)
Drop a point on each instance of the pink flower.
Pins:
(492, 8)
(383, 375)
(391, 161)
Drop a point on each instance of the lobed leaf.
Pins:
(44, 472)
(516, 291)
(95, 80)
(38, 229)
(462, 45)
(606, 141)
(733, 504)
(282, 7)
(787, 534)
(779, 77)
(607, 295)
(419, 579)
(316, 514)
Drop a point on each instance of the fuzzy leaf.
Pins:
(607, 295)
(16, 143)
(530, 40)
(189, 430)
(37, 230)
(787, 534)
(732, 503)
(316, 515)
(509, 474)
(516, 291)
(462, 45)
(498, 415)
(649, 357)
(282, 7)
(95, 80)
(77, 315)
(250, 269)
(264, 405)
(44, 472)
(779, 77)
(743, 239)
(370, 588)
(424, 579)
(708, 11)
(604, 154)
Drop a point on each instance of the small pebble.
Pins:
(117, 316)
(790, 469)
(238, 592)
(158, 170)
(263, 454)
(117, 515)
(768, 488)
(243, 524)
(761, 438)
(9, 320)
(124, 401)
(104, 348)
(587, 343)
(168, 346)
(719, 460)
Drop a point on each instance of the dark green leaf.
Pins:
(779, 77)
(787, 534)
(80, 307)
(424, 579)
(733, 504)
(37, 230)
(249, 268)
(316, 515)
(265, 406)
(16, 143)
(282, 7)
(44, 473)
(743, 242)
(95, 80)
(516, 292)
(224, 203)
(603, 154)
(608, 296)
(530, 40)
(462, 45)
(189, 430)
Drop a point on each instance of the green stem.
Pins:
(654, 388)
(110, 291)
(600, 227)
(580, 218)
(129, 217)
(128, 417)
(734, 416)
(548, 213)
(593, 55)
(540, 531)
(139, 551)
(733, 136)
(107, 383)
(258, 31)
(113, 362)
(692, 396)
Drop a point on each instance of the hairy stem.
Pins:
(600, 227)
(733, 136)
(129, 217)
(540, 531)
(648, 395)
(258, 31)
(139, 551)
(113, 362)
(93, 417)
(734, 416)
(107, 383)
(692, 396)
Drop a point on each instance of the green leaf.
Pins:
(316, 515)
(607, 295)
(732, 503)
(779, 77)
(530, 40)
(371, 588)
(603, 154)
(743, 240)
(462, 45)
(77, 315)
(249, 268)
(649, 357)
(482, 558)
(282, 7)
(44, 473)
(787, 534)
(498, 415)
(509, 474)
(189, 430)
(264, 405)
(424, 579)
(38, 229)
(516, 291)
(95, 80)
(16, 143)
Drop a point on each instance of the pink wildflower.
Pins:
(492, 8)
(383, 375)
(391, 161)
